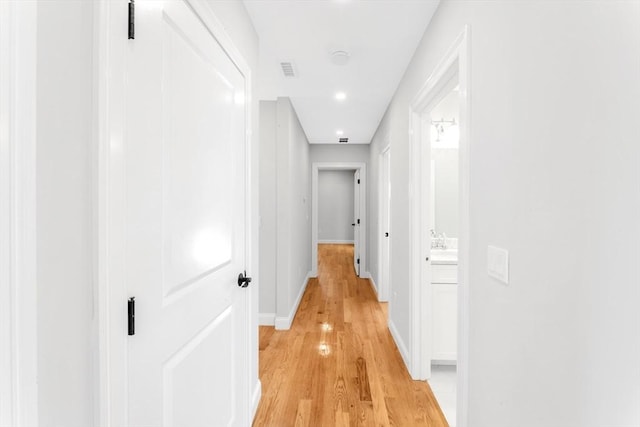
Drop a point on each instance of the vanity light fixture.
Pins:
(440, 126)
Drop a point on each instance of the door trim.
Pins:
(110, 48)
(456, 62)
(18, 171)
(315, 168)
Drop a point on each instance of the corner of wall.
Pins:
(402, 347)
(285, 322)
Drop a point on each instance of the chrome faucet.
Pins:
(438, 241)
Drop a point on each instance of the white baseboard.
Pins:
(335, 242)
(255, 399)
(400, 344)
(284, 323)
(367, 275)
(267, 319)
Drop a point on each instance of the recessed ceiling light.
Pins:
(339, 132)
(341, 96)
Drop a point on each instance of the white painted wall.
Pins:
(335, 206)
(268, 205)
(64, 213)
(339, 153)
(300, 203)
(556, 184)
(292, 198)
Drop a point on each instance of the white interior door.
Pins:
(385, 219)
(356, 221)
(185, 224)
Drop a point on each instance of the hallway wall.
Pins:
(268, 212)
(555, 183)
(339, 153)
(285, 187)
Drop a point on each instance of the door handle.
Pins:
(243, 280)
(386, 234)
(353, 224)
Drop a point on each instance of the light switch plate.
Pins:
(498, 264)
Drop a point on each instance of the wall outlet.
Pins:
(498, 264)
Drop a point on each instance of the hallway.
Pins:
(338, 364)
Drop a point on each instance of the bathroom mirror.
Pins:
(445, 136)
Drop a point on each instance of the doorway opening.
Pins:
(444, 214)
(439, 229)
(321, 231)
(338, 212)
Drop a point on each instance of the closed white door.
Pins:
(385, 220)
(356, 222)
(185, 224)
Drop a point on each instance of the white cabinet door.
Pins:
(445, 321)
(184, 223)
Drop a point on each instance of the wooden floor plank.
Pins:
(338, 364)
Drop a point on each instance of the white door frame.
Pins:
(315, 168)
(18, 287)
(384, 289)
(454, 64)
(110, 45)
(356, 223)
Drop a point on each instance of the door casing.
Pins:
(18, 287)
(454, 64)
(362, 167)
(356, 222)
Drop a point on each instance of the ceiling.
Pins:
(380, 37)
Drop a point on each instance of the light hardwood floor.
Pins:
(338, 365)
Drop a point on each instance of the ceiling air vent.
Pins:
(343, 140)
(287, 69)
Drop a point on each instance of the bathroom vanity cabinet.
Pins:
(444, 280)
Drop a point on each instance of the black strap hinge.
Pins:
(132, 23)
(131, 305)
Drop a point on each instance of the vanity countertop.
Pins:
(444, 256)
